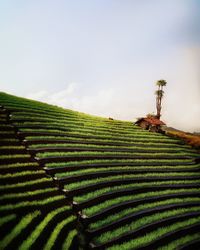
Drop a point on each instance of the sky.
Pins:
(104, 57)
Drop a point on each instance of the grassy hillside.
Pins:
(71, 180)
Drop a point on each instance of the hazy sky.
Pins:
(103, 56)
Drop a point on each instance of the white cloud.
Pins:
(40, 95)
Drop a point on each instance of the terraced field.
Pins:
(75, 181)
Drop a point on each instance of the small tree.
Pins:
(159, 95)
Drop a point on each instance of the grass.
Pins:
(91, 134)
(115, 161)
(13, 156)
(108, 203)
(130, 211)
(67, 243)
(20, 174)
(181, 241)
(19, 165)
(136, 168)
(26, 184)
(102, 135)
(12, 147)
(47, 201)
(89, 153)
(143, 222)
(38, 230)
(6, 219)
(18, 229)
(126, 168)
(144, 141)
(147, 238)
(51, 241)
(92, 146)
(68, 125)
(9, 140)
(76, 185)
(26, 194)
(7, 132)
(123, 170)
(99, 192)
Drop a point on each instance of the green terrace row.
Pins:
(128, 170)
(16, 149)
(18, 167)
(7, 132)
(88, 147)
(107, 192)
(41, 119)
(85, 133)
(30, 106)
(138, 223)
(156, 235)
(125, 213)
(124, 170)
(97, 154)
(42, 225)
(83, 119)
(111, 183)
(14, 158)
(115, 138)
(103, 141)
(49, 154)
(143, 197)
(182, 241)
(26, 185)
(73, 165)
(29, 195)
(46, 204)
(66, 120)
(21, 176)
(78, 127)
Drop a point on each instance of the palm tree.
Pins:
(159, 95)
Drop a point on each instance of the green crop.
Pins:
(130, 211)
(123, 170)
(2, 157)
(147, 238)
(115, 161)
(24, 184)
(26, 194)
(44, 202)
(89, 153)
(102, 191)
(19, 165)
(143, 142)
(56, 232)
(24, 173)
(38, 230)
(12, 147)
(118, 148)
(7, 132)
(80, 184)
(103, 205)
(142, 222)
(6, 219)
(18, 229)
(67, 243)
(181, 241)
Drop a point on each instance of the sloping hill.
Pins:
(69, 179)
